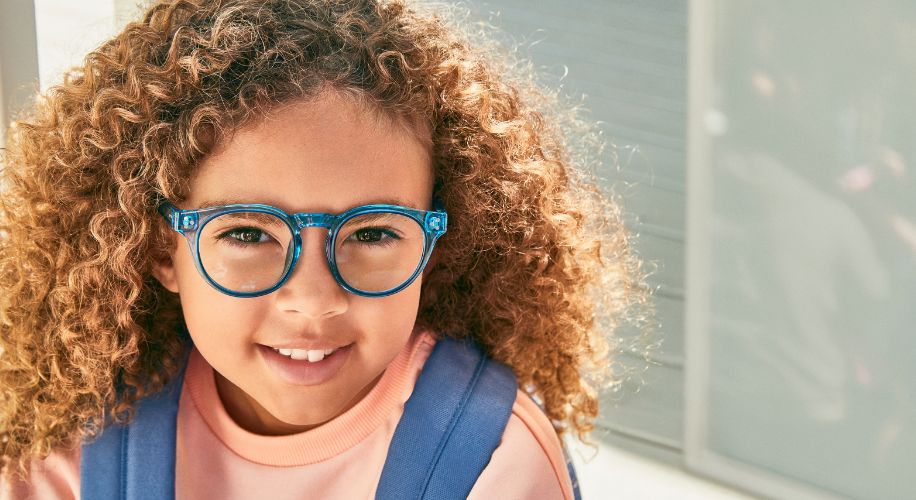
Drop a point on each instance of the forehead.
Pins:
(325, 154)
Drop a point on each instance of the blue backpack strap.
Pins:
(136, 461)
(451, 424)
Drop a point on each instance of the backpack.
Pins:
(442, 443)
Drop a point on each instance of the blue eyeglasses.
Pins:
(248, 250)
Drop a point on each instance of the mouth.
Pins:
(305, 366)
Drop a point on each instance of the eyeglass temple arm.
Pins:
(172, 215)
(167, 211)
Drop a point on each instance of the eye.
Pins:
(374, 235)
(244, 236)
(368, 235)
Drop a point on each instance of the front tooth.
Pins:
(299, 354)
(285, 352)
(315, 356)
(327, 352)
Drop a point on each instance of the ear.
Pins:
(163, 269)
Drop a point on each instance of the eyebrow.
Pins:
(375, 217)
(240, 201)
(255, 217)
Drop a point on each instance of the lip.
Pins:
(309, 347)
(303, 372)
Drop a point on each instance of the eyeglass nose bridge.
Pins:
(314, 220)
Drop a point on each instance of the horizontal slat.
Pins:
(651, 206)
(599, 92)
(670, 317)
(669, 149)
(610, 79)
(633, 115)
(648, 404)
(665, 343)
(667, 233)
(604, 55)
(651, 448)
(664, 256)
(666, 18)
(637, 165)
(646, 164)
(627, 173)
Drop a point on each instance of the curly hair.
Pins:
(535, 252)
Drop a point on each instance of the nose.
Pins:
(312, 290)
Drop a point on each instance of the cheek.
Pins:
(211, 316)
(393, 320)
(386, 325)
(399, 310)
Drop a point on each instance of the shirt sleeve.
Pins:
(528, 463)
(53, 478)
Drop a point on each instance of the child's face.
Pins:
(324, 155)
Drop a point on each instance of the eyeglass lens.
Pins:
(250, 251)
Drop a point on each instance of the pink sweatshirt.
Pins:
(341, 459)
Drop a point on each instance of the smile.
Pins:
(305, 366)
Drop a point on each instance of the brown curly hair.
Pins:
(534, 255)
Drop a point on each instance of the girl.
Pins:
(289, 204)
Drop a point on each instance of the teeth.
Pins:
(312, 356)
(299, 354)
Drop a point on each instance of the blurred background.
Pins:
(762, 151)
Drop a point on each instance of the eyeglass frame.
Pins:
(189, 223)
